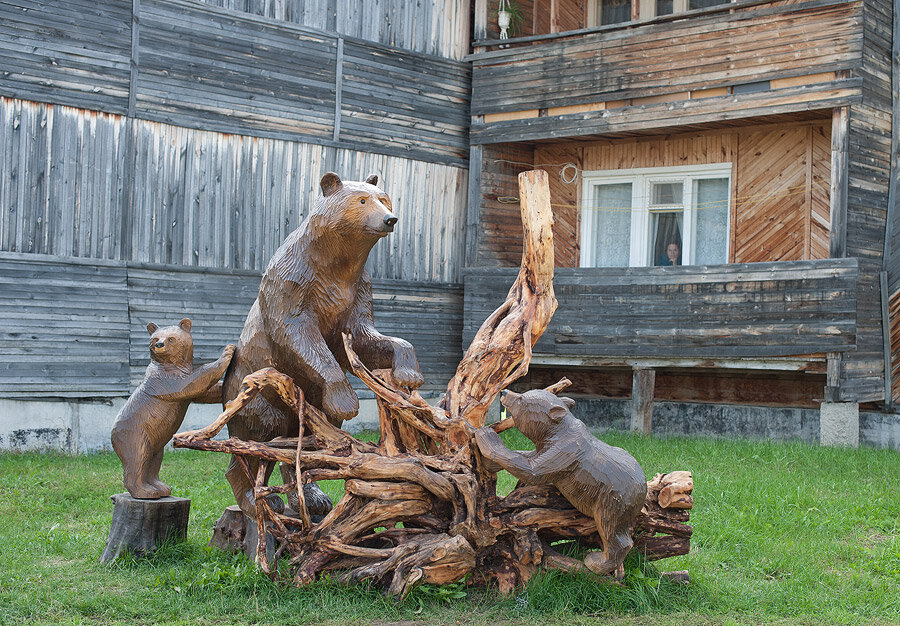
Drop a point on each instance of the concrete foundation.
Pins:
(839, 424)
(879, 430)
(84, 425)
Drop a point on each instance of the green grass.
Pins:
(784, 533)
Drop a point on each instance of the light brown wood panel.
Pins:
(564, 198)
(781, 180)
(501, 243)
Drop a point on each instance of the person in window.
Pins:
(671, 257)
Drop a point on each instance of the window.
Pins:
(604, 12)
(656, 216)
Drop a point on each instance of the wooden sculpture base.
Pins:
(139, 527)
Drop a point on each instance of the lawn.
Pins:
(783, 533)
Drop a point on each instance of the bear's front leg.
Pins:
(378, 351)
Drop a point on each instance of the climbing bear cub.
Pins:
(155, 410)
(314, 289)
(601, 481)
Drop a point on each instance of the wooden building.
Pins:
(154, 153)
(756, 139)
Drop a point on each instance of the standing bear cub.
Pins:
(601, 481)
(314, 289)
(155, 410)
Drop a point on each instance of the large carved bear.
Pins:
(314, 289)
(601, 481)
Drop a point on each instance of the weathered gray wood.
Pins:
(139, 527)
(642, 385)
(840, 130)
(744, 310)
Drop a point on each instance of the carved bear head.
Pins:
(172, 344)
(358, 210)
(536, 413)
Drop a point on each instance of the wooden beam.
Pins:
(886, 340)
(479, 32)
(840, 147)
(473, 215)
(338, 87)
(643, 382)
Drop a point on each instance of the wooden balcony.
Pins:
(760, 313)
(742, 60)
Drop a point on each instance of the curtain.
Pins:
(711, 215)
(608, 222)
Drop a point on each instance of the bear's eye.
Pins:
(170, 339)
(362, 201)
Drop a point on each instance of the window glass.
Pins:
(666, 194)
(703, 4)
(666, 243)
(609, 227)
(614, 11)
(711, 215)
(664, 7)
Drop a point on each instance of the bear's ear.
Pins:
(185, 324)
(569, 402)
(373, 179)
(557, 413)
(330, 183)
(151, 328)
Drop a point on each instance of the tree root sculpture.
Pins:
(419, 506)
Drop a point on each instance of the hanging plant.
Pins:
(509, 18)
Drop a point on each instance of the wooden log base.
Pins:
(421, 505)
(139, 527)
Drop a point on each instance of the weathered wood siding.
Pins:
(194, 65)
(79, 51)
(869, 174)
(63, 327)
(644, 76)
(438, 27)
(753, 310)
(77, 328)
(75, 183)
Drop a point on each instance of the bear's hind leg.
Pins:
(617, 544)
(140, 477)
(153, 475)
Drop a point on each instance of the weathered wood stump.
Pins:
(421, 505)
(140, 526)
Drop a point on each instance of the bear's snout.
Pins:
(389, 221)
(160, 344)
(508, 398)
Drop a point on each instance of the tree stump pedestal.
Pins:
(140, 526)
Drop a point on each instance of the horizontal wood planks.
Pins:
(79, 51)
(202, 199)
(745, 46)
(78, 328)
(63, 327)
(751, 310)
(203, 68)
(200, 66)
(438, 27)
(417, 103)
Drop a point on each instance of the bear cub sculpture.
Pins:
(601, 481)
(314, 289)
(155, 410)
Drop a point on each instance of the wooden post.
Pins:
(473, 215)
(840, 148)
(643, 382)
(833, 377)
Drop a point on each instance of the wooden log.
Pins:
(140, 526)
(501, 350)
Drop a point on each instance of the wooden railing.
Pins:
(751, 310)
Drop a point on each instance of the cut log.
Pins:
(139, 527)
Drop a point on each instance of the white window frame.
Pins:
(640, 179)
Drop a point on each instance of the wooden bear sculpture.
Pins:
(155, 410)
(314, 289)
(603, 482)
